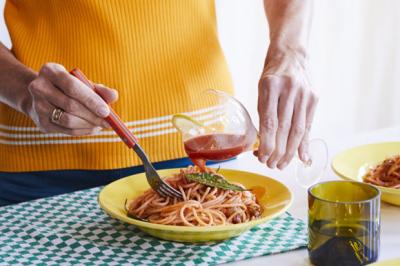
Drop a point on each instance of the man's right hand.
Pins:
(83, 110)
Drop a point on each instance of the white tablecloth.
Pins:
(390, 215)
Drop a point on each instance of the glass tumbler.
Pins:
(343, 223)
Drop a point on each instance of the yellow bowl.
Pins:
(393, 262)
(274, 197)
(352, 164)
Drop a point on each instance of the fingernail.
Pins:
(308, 163)
(272, 164)
(103, 111)
(263, 158)
(283, 165)
(304, 156)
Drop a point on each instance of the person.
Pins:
(155, 58)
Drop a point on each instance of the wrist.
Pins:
(14, 81)
(284, 60)
(24, 100)
(281, 52)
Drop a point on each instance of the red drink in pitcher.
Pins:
(216, 147)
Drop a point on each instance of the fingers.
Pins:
(74, 88)
(108, 95)
(72, 132)
(267, 109)
(43, 88)
(303, 148)
(285, 113)
(70, 121)
(83, 109)
(286, 107)
(297, 130)
(67, 124)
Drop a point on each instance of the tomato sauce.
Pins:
(215, 147)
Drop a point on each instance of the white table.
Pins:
(390, 215)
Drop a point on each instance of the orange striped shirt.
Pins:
(159, 55)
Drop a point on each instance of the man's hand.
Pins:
(83, 109)
(286, 103)
(286, 106)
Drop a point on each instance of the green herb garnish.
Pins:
(213, 180)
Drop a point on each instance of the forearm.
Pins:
(289, 25)
(14, 81)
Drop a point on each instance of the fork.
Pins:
(154, 180)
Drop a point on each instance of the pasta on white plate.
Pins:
(202, 205)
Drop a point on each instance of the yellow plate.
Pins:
(394, 262)
(351, 164)
(274, 197)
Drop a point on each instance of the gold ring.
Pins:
(56, 115)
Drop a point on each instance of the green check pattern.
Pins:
(71, 229)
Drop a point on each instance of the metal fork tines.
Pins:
(154, 180)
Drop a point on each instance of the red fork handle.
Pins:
(113, 119)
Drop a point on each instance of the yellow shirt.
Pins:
(159, 55)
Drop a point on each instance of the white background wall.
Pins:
(4, 38)
(354, 60)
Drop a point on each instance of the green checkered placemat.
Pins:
(72, 229)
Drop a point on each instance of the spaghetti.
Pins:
(385, 174)
(202, 205)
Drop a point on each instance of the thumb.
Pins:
(108, 95)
